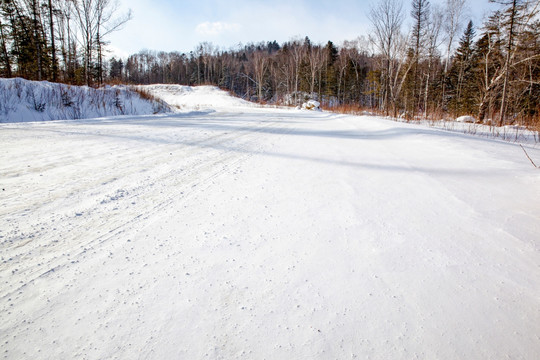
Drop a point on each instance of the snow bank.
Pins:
(23, 100)
(466, 119)
(195, 97)
(514, 133)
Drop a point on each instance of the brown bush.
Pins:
(353, 109)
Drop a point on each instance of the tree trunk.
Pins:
(37, 42)
(7, 65)
(507, 61)
(53, 48)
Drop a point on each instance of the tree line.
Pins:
(57, 40)
(442, 65)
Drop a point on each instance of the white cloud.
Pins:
(117, 52)
(216, 28)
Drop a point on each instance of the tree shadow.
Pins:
(227, 123)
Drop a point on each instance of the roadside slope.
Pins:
(25, 101)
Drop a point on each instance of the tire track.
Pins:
(119, 200)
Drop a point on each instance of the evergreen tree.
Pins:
(420, 14)
(117, 67)
(489, 57)
(463, 82)
(330, 78)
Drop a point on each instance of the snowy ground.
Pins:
(265, 234)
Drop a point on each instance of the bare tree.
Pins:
(316, 63)
(96, 20)
(400, 70)
(453, 22)
(260, 63)
(107, 23)
(53, 46)
(5, 54)
(297, 55)
(512, 15)
(433, 42)
(386, 18)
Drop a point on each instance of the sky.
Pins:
(169, 25)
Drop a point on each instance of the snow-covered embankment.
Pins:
(22, 100)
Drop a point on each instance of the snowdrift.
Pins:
(23, 100)
(195, 97)
(466, 119)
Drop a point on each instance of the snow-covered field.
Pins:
(192, 98)
(249, 233)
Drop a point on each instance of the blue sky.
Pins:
(180, 25)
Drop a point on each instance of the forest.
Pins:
(441, 66)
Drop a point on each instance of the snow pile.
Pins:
(22, 100)
(311, 105)
(466, 119)
(195, 97)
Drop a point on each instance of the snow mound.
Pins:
(466, 119)
(24, 100)
(195, 97)
(312, 105)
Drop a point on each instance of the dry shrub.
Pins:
(144, 94)
(535, 127)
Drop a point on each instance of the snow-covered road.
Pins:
(265, 234)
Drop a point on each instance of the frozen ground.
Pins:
(265, 234)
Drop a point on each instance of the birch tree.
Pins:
(386, 19)
(454, 10)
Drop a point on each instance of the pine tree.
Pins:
(463, 76)
(490, 56)
(420, 14)
(330, 78)
(117, 67)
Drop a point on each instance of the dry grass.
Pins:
(144, 94)
(353, 109)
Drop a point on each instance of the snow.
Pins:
(256, 233)
(22, 101)
(466, 119)
(511, 133)
(311, 105)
